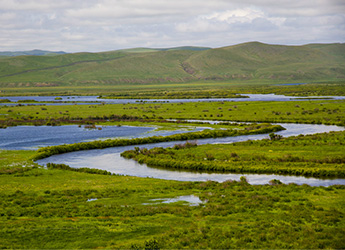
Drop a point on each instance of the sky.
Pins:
(104, 25)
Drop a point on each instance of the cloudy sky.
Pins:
(102, 25)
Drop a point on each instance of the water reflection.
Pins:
(33, 137)
(192, 200)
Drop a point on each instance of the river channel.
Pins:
(68, 100)
(109, 159)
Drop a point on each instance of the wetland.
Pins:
(238, 191)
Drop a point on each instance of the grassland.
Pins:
(55, 209)
(205, 89)
(189, 69)
(13, 161)
(317, 112)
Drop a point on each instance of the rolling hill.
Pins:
(247, 61)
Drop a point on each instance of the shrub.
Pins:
(275, 137)
(275, 182)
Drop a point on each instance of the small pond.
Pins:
(190, 200)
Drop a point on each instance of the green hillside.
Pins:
(261, 61)
(250, 61)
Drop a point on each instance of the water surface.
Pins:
(109, 159)
(68, 100)
(33, 137)
(191, 200)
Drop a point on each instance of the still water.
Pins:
(109, 159)
(33, 137)
(66, 100)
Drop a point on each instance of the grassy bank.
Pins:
(320, 155)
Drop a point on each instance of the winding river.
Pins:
(109, 159)
(30, 137)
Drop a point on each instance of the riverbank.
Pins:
(319, 155)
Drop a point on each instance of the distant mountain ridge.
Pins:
(38, 52)
(35, 52)
(247, 61)
(138, 50)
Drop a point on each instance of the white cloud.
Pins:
(98, 25)
(230, 20)
(237, 15)
(35, 5)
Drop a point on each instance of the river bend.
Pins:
(109, 159)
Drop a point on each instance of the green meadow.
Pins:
(317, 112)
(54, 209)
(184, 90)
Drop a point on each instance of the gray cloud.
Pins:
(100, 25)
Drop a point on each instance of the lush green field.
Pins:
(53, 209)
(13, 161)
(194, 89)
(318, 112)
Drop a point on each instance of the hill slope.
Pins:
(262, 61)
(250, 61)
